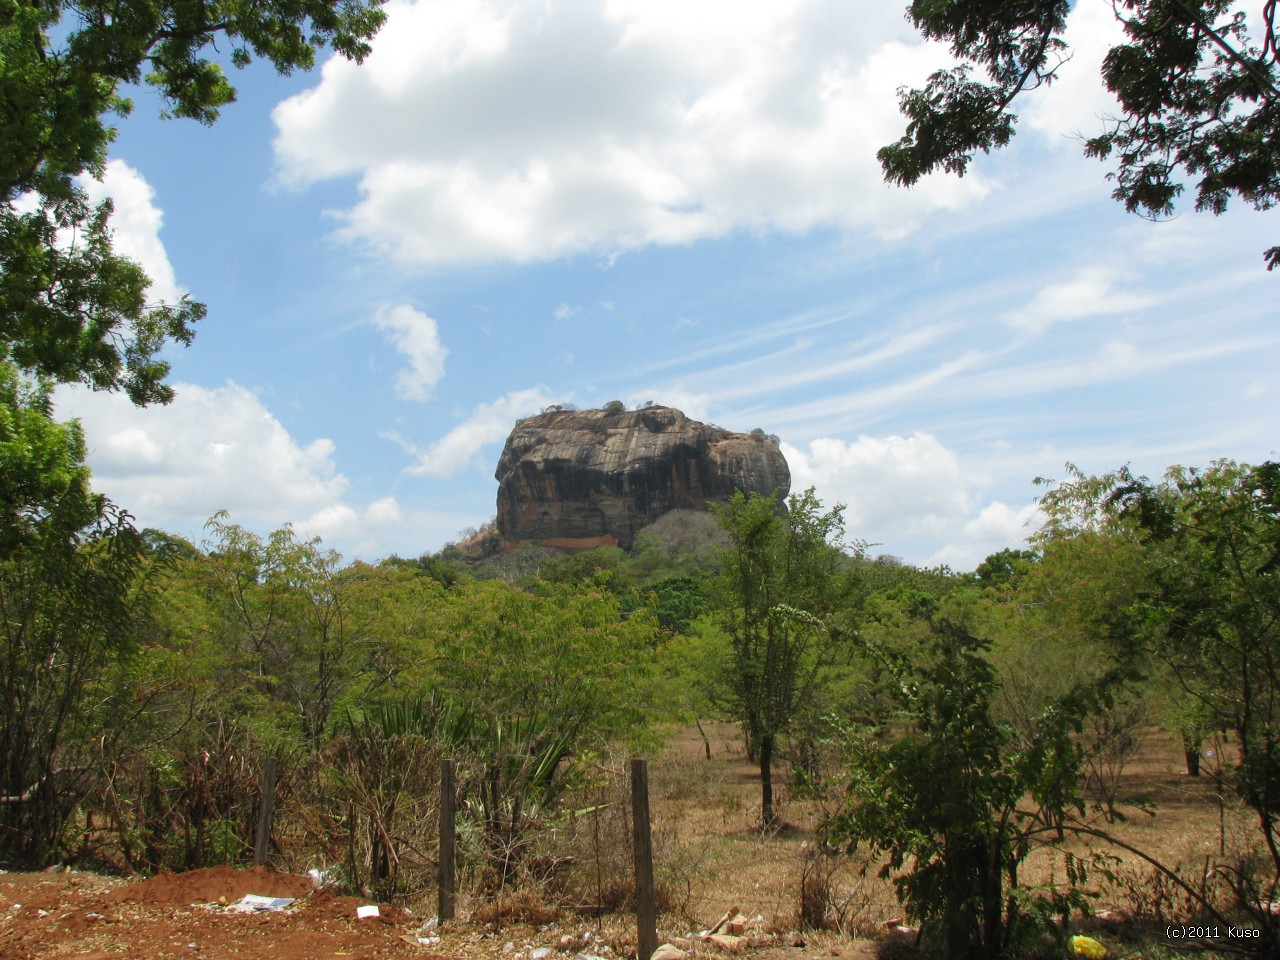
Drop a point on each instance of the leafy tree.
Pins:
(564, 652)
(72, 589)
(544, 676)
(70, 308)
(300, 633)
(1003, 567)
(679, 601)
(1062, 621)
(780, 588)
(1211, 544)
(944, 797)
(1197, 84)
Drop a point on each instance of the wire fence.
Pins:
(708, 853)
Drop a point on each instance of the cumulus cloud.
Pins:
(416, 337)
(516, 130)
(489, 423)
(215, 449)
(135, 225)
(881, 480)
(910, 494)
(998, 526)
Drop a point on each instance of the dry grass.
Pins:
(710, 855)
(706, 815)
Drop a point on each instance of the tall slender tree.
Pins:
(778, 593)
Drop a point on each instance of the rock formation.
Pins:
(576, 479)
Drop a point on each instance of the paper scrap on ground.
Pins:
(368, 910)
(251, 902)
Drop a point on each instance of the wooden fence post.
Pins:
(646, 912)
(448, 813)
(266, 809)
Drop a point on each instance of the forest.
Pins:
(951, 726)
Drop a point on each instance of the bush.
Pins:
(941, 800)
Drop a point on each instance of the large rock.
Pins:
(576, 479)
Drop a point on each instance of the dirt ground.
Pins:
(708, 854)
(83, 916)
(89, 917)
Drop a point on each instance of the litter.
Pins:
(368, 910)
(252, 903)
(1088, 947)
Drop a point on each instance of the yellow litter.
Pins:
(1087, 947)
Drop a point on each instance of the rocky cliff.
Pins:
(576, 479)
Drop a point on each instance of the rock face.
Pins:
(577, 479)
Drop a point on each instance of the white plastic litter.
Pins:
(368, 910)
(252, 903)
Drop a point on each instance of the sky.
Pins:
(514, 203)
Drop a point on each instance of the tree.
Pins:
(1210, 613)
(1003, 567)
(70, 308)
(1197, 85)
(545, 676)
(298, 633)
(778, 592)
(565, 652)
(943, 797)
(71, 592)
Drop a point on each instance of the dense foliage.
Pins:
(72, 592)
(71, 309)
(1198, 83)
(778, 601)
(951, 723)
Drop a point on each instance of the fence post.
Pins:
(448, 813)
(262, 842)
(646, 912)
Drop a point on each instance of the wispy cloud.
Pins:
(417, 338)
(488, 424)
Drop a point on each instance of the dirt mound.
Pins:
(335, 907)
(211, 884)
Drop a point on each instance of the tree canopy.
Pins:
(1198, 83)
(71, 309)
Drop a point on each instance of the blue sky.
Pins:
(512, 204)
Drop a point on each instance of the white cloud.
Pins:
(489, 423)
(1078, 101)
(416, 337)
(883, 480)
(1094, 291)
(215, 449)
(909, 494)
(997, 527)
(135, 226)
(520, 130)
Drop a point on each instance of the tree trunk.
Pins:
(1191, 750)
(705, 742)
(766, 781)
